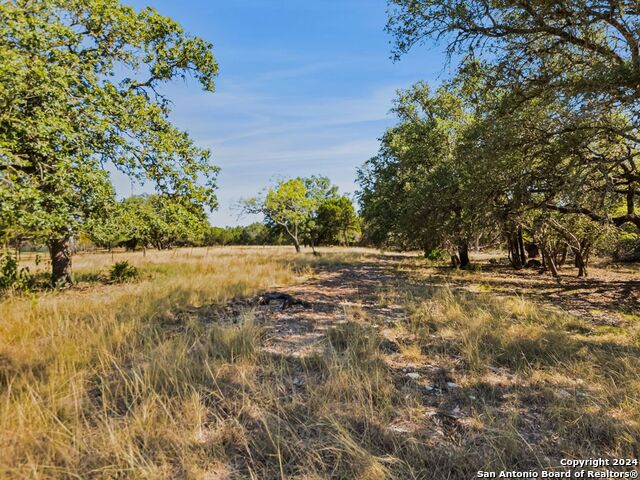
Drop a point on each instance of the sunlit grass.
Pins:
(143, 379)
(109, 378)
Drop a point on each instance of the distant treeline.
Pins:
(253, 234)
(152, 221)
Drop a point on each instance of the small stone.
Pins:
(563, 393)
(452, 385)
(298, 382)
(428, 388)
(413, 375)
(471, 397)
(399, 429)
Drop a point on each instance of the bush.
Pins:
(12, 276)
(436, 254)
(123, 272)
(627, 249)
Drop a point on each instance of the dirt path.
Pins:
(335, 293)
(434, 400)
(341, 291)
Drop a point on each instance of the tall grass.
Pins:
(144, 380)
(540, 384)
(109, 379)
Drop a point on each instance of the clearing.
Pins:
(257, 363)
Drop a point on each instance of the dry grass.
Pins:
(105, 379)
(530, 386)
(145, 380)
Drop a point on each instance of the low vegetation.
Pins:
(160, 357)
(159, 379)
(117, 378)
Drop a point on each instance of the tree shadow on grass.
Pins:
(600, 299)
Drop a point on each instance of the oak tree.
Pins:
(80, 91)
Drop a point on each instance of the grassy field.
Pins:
(408, 371)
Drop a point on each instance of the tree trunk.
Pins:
(477, 243)
(293, 235)
(313, 247)
(521, 251)
(463, 254)
(581, 261)
(532, 249)
(455, 261)
(549, 261)
(514, 250)
(60, 262)
(562, 256)
(582, 269)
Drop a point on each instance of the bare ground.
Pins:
(610, 296)
(355, 291)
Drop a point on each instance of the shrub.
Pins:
(627, 248)
(12, 276)
(123, 272)
(436, 254)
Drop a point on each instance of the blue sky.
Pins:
(305, 87)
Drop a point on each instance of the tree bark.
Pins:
(562, 256)
(533, 251)
(514, 250)
(60, 261)
(549, 261)
(463, 254)
(521, 251)
(581, 261)
(476, 247)
(293, 235)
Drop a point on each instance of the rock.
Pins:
(284, 299)
(456, 413)
(428, 388)
(298, 382)
(452, 385)
(387, 346)
(562, 393)
(399, 429)
(413, 375)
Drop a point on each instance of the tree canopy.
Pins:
(149, 221)
(80, 90)
(303, 208)
(535, 138)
